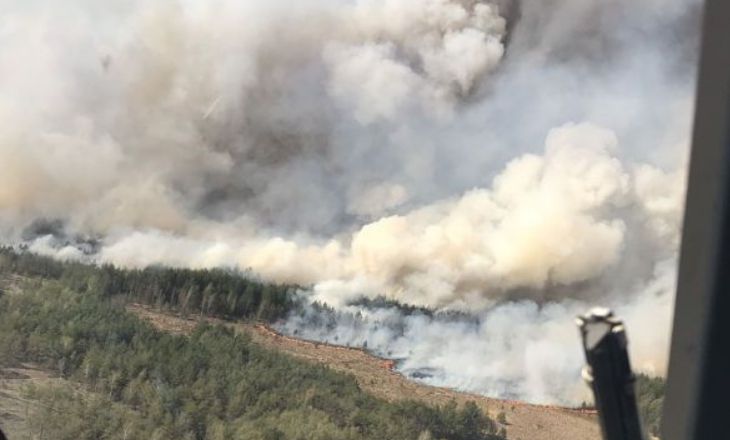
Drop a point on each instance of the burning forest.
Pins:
(447, 182)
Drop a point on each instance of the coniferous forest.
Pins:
(126, 380)
(214, 292)
(132, 381)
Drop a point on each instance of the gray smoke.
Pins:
(456, 154)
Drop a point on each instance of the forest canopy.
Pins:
(214, 384)
(133, 381)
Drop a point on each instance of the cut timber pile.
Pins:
(376, 376)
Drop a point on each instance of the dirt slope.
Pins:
(524, 421)
(15, 409)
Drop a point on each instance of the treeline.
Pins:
(381, 302)
(213, 292)
(140, 383)
(650, 396)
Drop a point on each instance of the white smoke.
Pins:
(520, 160)
(515, 350)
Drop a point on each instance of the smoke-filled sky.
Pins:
(445, 153)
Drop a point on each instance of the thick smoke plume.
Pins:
(515, 160)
